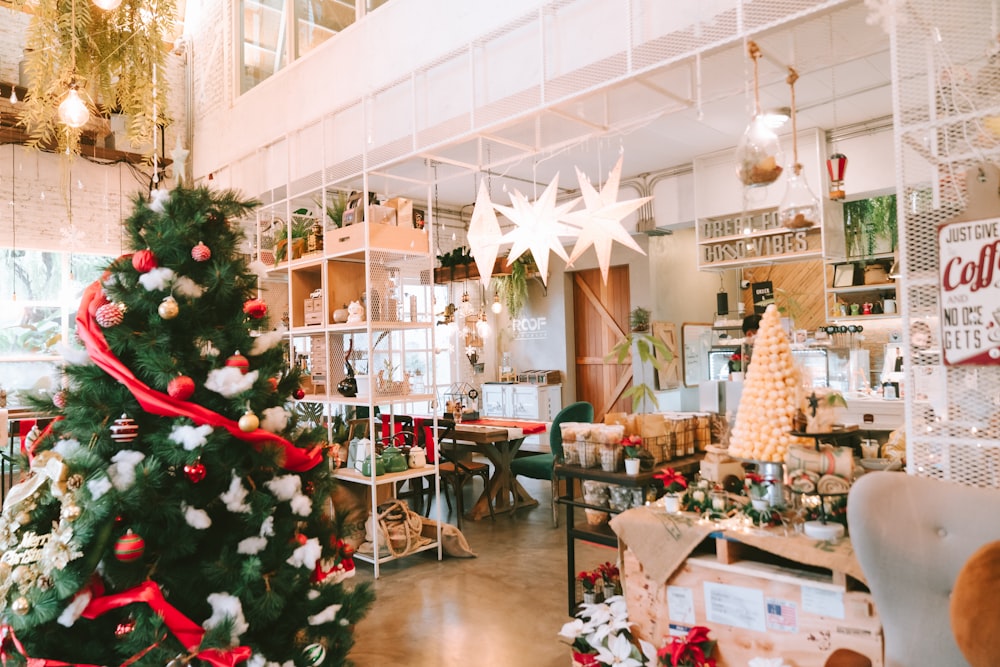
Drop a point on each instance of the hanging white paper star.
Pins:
(600, 220)
(484, 234)
(538, 226)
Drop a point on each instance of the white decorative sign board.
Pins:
(969, 254)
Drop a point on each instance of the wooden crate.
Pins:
(807, 616)
(351, 239)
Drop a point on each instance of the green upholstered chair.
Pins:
(542, 466)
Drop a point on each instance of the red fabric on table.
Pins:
(529, 428)
(418, 423)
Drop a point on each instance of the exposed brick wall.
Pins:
(13, 25)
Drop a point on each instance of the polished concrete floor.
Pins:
(504, 607)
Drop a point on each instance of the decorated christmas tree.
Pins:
(175, 512)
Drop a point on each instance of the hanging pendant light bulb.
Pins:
(482, 326)
(799, 207)
(108, 5)
(496, 307)
(73, 110)
(758, 153)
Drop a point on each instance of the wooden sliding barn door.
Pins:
(600, 320)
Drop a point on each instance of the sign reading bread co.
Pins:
(754, 237)
(970, 291)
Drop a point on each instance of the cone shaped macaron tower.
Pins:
(769, 402)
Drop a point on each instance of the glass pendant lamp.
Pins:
(758, 153)
(799, 207)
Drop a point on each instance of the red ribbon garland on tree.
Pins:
(187, 631)
(158, 403)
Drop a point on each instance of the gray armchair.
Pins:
(911, 536)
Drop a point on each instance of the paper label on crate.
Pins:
(680, 601)
(677, 630)
(781, 615)
(735, 605)
(823, 602)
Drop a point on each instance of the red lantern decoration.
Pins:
(836, 167)
(144, 261)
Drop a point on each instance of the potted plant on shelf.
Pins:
(651, 350)
(674, 486)
(512, 288)
(588, 580)
(633, 450)
(611, 578)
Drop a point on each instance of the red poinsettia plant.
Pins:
(609, 573)
(632, 445)
(736, 362)
(756, 485)
(672, 480)
(693, 650)
(589, 578)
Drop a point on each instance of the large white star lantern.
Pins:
(537, 226)
(600, 222)
(484, 234)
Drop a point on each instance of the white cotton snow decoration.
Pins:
(312, 594)
(226, 606)
(284, 487)
(328, 615)
(74, 609)
(265, 342)
(235, 497)
(306, 555)
(98, 487)
(184, 286)
(190, 437)
(157, 279)
(122, 468)
(230, 381)
(257, 660)
(157, 199)
(288, 487)
(267, 527)
(196, 518)
(73, 356)
(251, 545)
(274, 419)
(67, 448)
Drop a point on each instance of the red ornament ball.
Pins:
(238, 361)
(129, 547)
(109, 315)
(299, 394)
(273, 384)
(59, 399)
(201, 252)
(181, 387)
(144, 261)
(255, 308)
(124, 429)
(195, 472)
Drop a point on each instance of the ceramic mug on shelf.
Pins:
(889, 306)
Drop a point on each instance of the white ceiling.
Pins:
(660, 122)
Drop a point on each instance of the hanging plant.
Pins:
(513, 288)
(109, 55)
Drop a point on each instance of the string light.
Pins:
(108, 5)
(73, 110)
(496, 306)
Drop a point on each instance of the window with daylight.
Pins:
(41, 292)
(276, 32)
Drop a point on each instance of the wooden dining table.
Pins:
(499, 441)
